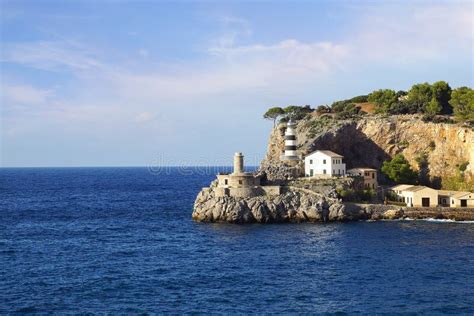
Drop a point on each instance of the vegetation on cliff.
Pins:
(398, 170)
(422, 98)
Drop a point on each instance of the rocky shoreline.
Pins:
(296, 206)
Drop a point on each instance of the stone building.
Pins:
(242, 184)
(368, 174)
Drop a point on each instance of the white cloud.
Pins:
(144, 117)
(236, 67)
(51, 55)
(24, 94)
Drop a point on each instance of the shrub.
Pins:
(432, 145)
(463, 166)
(323, 109)
(359, 99)
(398, 170)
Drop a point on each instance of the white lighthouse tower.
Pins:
(290, 142)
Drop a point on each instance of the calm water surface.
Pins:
(122, 240)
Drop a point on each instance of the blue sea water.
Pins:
(121, 240)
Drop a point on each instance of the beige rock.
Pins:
(392, 214)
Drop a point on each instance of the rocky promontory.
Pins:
(367, 141)
(296, 206)
(292, 206)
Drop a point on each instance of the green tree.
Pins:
(433, 107)
(384, 99)
(442, 94)
(420, 95)
(297, 112)
(462, 101)
(398, 170)
(273, 114)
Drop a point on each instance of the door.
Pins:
(463, 203)
(425, 202)
(310, 172)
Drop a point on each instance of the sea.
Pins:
(122, 241)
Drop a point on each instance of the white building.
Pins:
(290, 142)
(416, 195)
(324, 163)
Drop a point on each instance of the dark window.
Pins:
(463, 203)
(226, 181)
(324, 171)
(311, 162)
(324, 161)
(425, 202)
(290, 137)
(240, 181)
(292, 147)
(373, 175)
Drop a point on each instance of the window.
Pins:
(373, 175)
(333, 171)
(311, 161)
(240, 181)
(452, 201)
(226, 181)
(324, 171)
(324, 161)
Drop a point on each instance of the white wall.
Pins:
(321, 164)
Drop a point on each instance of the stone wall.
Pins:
(237, 180)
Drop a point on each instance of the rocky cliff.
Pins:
(371, 140)
(294, 205)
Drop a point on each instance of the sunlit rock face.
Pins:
(372, 140)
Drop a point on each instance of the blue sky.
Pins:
(139, 83)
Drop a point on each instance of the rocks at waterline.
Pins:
(290, 207)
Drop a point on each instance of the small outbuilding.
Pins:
(455, 198)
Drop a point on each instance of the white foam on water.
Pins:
(408, 219)
(435, 220)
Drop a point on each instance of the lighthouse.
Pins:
(290, 142)
(238, 163)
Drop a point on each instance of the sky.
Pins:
(144, 83)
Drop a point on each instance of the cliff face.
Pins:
(372, 140)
